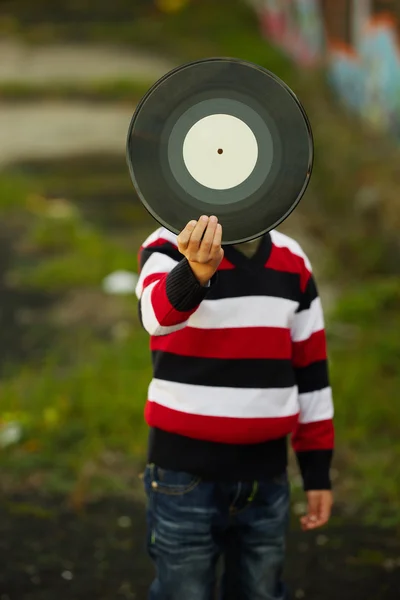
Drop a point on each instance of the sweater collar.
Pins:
(260, 256)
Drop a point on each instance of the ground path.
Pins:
(48, 551)
(47, 129)
(68, 63)
(55, 129)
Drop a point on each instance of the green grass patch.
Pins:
(126, 90)
(365, 358)
(15, 191)
(72, 255)
(84, 400)
(72, 416)
(59, 248)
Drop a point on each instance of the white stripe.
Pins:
(316, 406)
(248, 311)
(307, 322)
(156, 263)
(284, 241)
(163, 233)
(238, 403)
(150, 322)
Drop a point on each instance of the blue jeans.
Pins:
(193, 523)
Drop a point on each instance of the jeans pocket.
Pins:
(281, 479)
(275, 491)
(166, 481)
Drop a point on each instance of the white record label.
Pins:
(220, 151)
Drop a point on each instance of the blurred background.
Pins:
(74, 364)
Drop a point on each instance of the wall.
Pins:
(358, 41)
(366, 72)
(295, 26)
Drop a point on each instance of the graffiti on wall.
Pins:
(367, 77)
(359, 41)
(293, 25)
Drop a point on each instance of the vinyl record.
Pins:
(220, 137)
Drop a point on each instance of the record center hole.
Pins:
(220, 151)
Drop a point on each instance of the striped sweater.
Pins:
(239, 365)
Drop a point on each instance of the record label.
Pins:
(220, 151)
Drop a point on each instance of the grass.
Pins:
(365, 356)
(123, 90)
(15, 193)
(77, 256)
(84, 400)
(78, 414)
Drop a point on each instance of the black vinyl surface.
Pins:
(220, 86)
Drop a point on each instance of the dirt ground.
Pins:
(47, 552)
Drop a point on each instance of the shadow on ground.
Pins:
(48, 551)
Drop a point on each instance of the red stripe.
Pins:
(282, 259)
(314, 436)
(225, 265)
(226, 430)
(165, 313)
(151, 279)
(241, 342)
(311, 350)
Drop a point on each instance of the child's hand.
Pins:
(200, 243)
(319, 509)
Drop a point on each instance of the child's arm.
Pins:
(167, 289)
(313, 439)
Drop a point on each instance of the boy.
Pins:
(239, 360)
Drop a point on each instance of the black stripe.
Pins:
(167, 249)
(236, 373)
(315, 469)
(183, 290)
(309, 295)
(140, 313)
(312, 378)
(235, 283)
(215, 460)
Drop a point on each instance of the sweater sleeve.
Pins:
(313, 439)
(167, 289)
